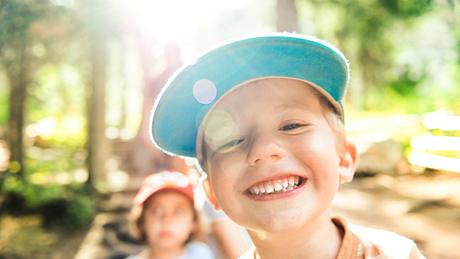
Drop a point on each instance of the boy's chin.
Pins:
(264, 231)
(283, 222)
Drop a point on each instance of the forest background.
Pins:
(78, 78)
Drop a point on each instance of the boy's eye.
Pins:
(230, 144)
(292, 126)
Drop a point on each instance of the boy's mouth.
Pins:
(275, 186)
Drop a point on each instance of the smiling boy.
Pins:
(263, 117)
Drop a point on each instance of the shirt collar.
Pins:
(350, 247)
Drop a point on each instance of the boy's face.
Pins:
(272, 157)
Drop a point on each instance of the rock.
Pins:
(381, 158)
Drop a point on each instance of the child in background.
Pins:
(165, 218)
(263, 116)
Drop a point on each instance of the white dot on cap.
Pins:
(204, 91)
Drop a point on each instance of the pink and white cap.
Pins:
(165, 180)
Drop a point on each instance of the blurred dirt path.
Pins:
(424, 207)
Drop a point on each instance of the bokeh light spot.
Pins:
(204, 91)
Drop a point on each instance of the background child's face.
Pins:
(168, 219)
(271, 136)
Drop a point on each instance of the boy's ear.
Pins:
(210, 194)
(348, 162)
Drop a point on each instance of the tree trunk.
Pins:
(17, 75)
(124, 86)
(97, 143)
(286, 16)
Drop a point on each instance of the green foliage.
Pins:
(373, 35)
(407, 8)
(458, 49)
(75, 211)
(58, 97)
(33, 195)
(406, 84)
(16, 16)
(58, 204)
(49, 161)
(369, 24)
(393, 102)
(3, 105)
(81, 210)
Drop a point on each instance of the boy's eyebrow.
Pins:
(292, 106)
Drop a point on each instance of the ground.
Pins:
(425, 208)
(24, 237)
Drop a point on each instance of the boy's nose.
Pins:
(264, 147)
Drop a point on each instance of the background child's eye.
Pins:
(230, 144)
(179, 211)
(291, 126)
(157, 212)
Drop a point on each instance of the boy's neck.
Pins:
(318, 239)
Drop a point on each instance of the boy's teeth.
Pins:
(261, 189)
(279, 185)
(269, 187)
(285, 183)
(291, 180)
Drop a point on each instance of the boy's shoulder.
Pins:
(375, 235)
(383, 244)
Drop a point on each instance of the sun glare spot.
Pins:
(169, 20)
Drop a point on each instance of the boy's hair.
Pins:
(333, 118)
(137, 229)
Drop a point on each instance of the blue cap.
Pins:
(195, 88)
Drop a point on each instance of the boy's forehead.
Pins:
(260, 99)
(255, 94)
